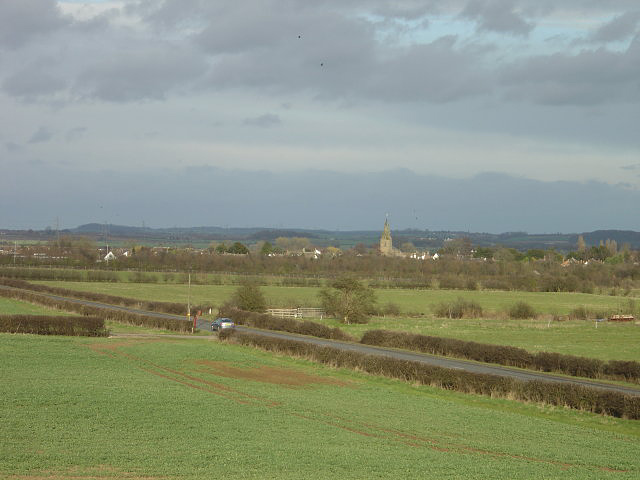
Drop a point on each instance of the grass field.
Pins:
(164, 408)
(409, 301)
(609, 341)
(9, 306)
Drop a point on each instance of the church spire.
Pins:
(386, 245)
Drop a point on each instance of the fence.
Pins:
(296, 312)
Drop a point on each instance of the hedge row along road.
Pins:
(466, 365)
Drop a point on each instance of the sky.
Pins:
(124, 96)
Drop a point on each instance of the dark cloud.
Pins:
(590, 77)
(43, 134)
(264, 121)
(620, 28)
(357, 201)
(24, 20)
(497, 16)
(635, 166)
(277, 47)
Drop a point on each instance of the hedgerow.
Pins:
(269, 322)
(553, 393)
(164, 307)
(53, 325)
(122, 316)
(506, 355)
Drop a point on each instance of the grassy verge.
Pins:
(110, 408)
(117, 327)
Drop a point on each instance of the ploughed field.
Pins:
(171, 408)
(610, 341)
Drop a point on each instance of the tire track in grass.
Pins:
(181, 377)
(420, 441)
(356, 427)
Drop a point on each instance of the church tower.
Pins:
(386, 245)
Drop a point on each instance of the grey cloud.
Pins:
(32, 82)
(266, 120)
(261, 29)
(590, 77)
(497, 16)
(358, 201)
(635, 166)
(346, 47)
(436, 72)
(22, 20)
(336, 57)
(13, 147)
(143, 73)
(75, 134)
(43, 134)
(198, 45)
(620, 28)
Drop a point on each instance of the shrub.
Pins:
(585, 313)
(391, 309)
(521, 310)
(248, 296)
(458, 308)
(449, 282)
(349, 300)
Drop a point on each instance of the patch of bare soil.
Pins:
(279, 376)
(100, 472)
(110, 348)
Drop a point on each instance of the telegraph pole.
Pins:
(189, 302)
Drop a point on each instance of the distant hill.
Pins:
(420, 238)
(620, 236)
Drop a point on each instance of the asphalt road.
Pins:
(445, 362)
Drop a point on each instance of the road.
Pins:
(445, 362)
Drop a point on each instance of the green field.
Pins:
(9, 306)
(409, 301)
(609, 341)
(165, 408)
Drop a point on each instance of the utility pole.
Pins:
(189, 302)
(15, 251)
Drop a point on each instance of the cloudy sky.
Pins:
(535, 90)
